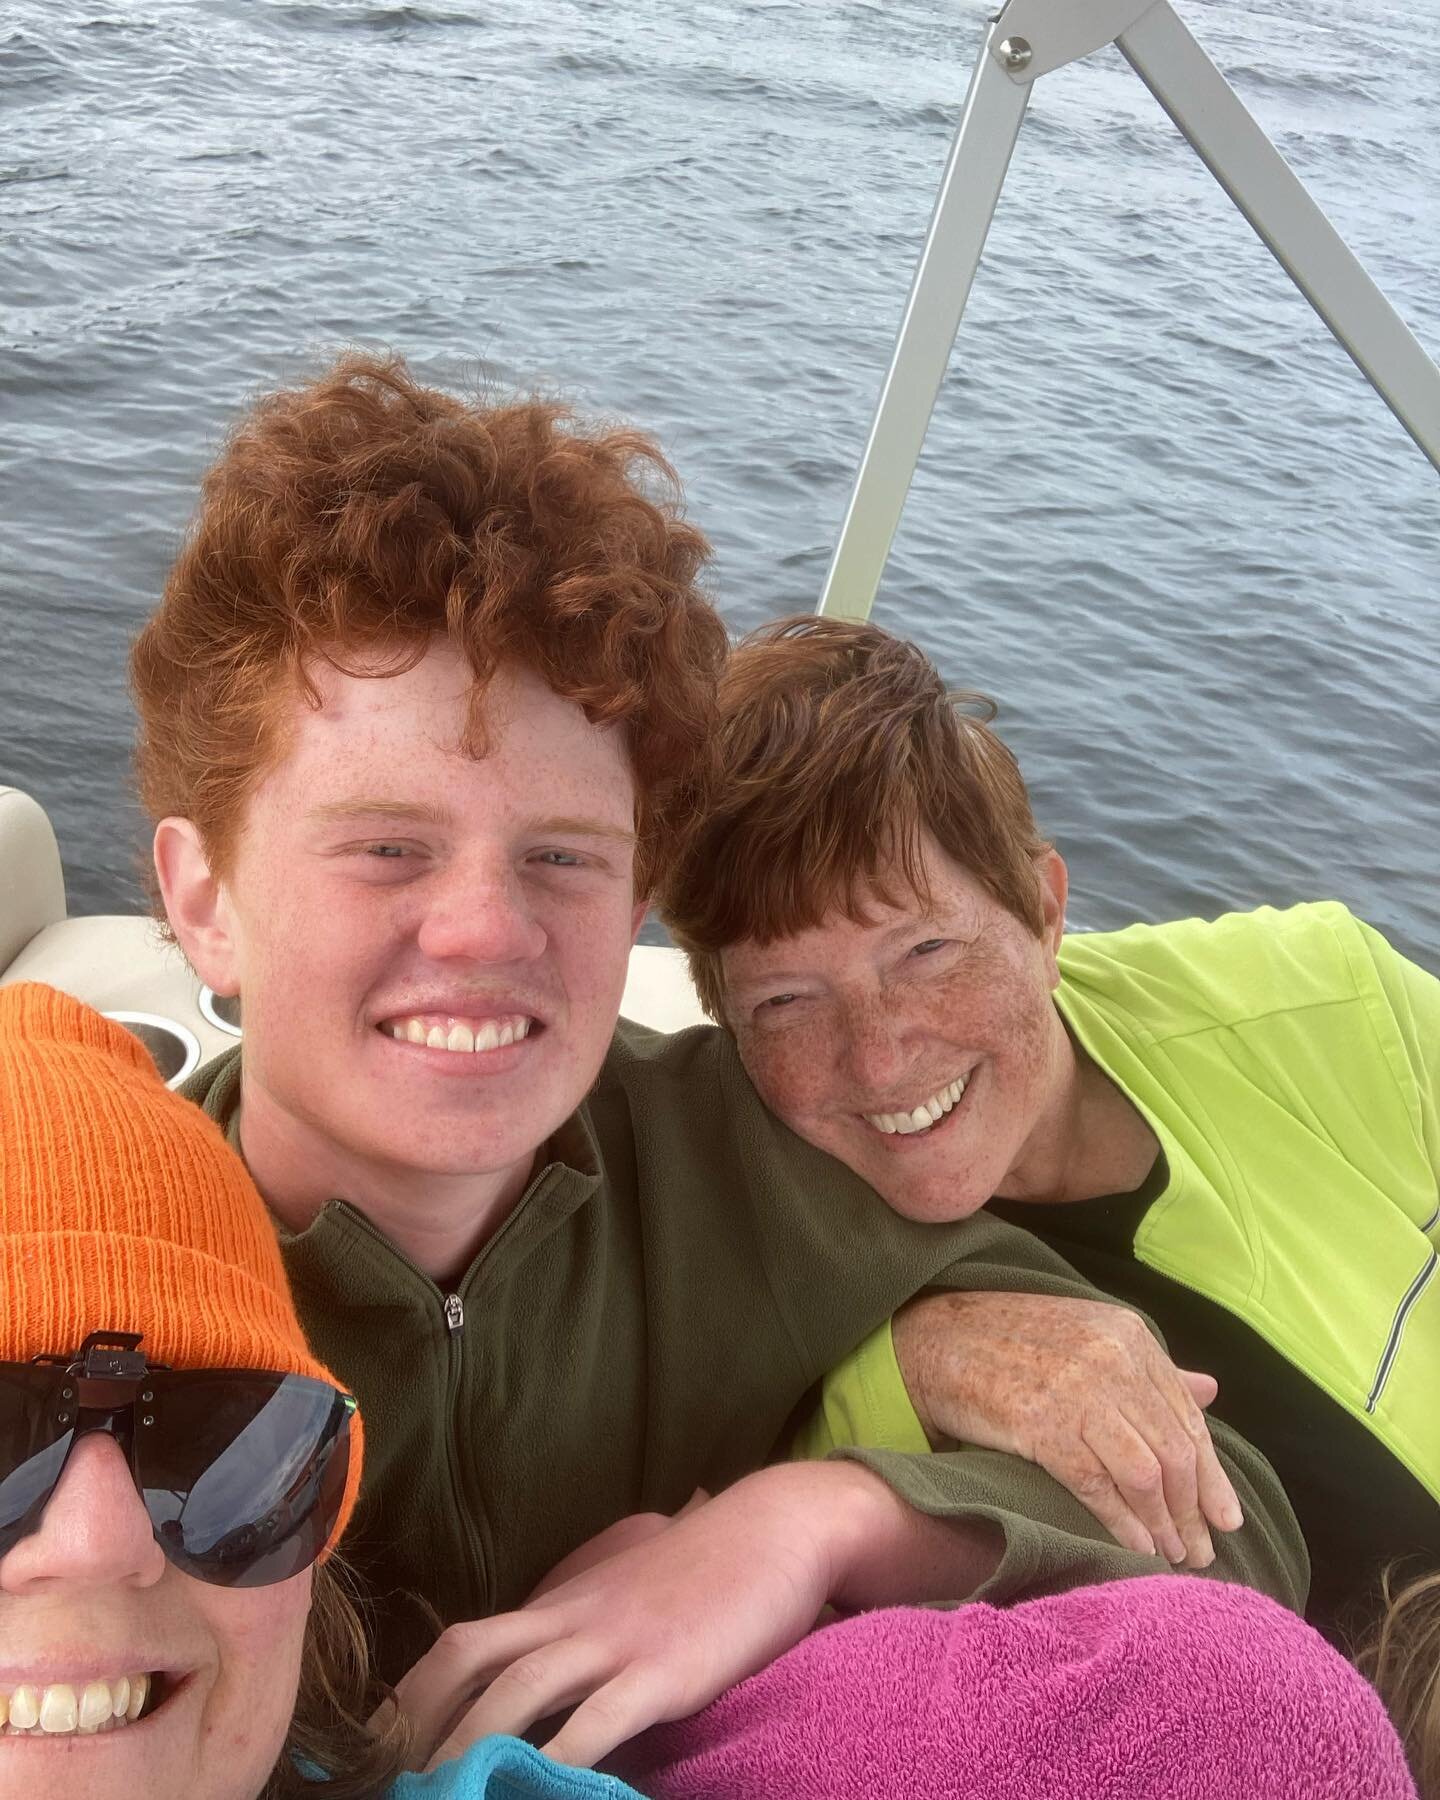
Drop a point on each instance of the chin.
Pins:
(941, 1204)
(443, 1146)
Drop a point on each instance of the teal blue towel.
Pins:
(505, 1768)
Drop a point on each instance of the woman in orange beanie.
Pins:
(173, 1462)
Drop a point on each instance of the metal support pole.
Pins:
(1029, 38)
(969, 189)
(1210, 115)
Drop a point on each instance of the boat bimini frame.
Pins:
(1027, 39)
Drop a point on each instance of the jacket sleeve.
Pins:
(1413, 997)
(1052, 1543)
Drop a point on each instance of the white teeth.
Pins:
(97, 1706)
(928, 1113)
(490, 1034)
(25, 1708)
(58, 1710)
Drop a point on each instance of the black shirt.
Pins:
(1359, 1508)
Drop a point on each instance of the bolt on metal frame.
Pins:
(1027, 39)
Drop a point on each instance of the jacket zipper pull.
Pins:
(454, 1314)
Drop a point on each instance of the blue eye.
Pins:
(778, 1000)
(559, 859)
(389, 851)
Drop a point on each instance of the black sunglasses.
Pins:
(242, 1471)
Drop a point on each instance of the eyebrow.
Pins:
(897, 933)
(342, 811)
(906, 928)
(423, 813)
(582, 828)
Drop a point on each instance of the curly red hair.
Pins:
(356, 518)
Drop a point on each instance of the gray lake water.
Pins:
(1161, 517)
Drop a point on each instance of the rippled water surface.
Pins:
(1161, 516)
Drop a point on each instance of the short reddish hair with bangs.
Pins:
(837, 750)
(357, 517)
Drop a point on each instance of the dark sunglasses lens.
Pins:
(36, 1429)
(242, 1474)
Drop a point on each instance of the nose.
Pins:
(94, 1533)
(874, 1051)
(481, 915)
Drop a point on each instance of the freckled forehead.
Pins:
(959, 908)
(406, 730)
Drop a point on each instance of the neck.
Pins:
(440, 1222)
(1093, 1140)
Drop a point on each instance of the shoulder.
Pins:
(215, 1087)
(1195, 972)
(697, 1070)
(637, 1047)
(689, 1105)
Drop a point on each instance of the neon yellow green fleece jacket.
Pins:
(1289, 1063)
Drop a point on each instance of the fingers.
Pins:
(613, 1714)
(1203, 1388)
(537, 1686)
(1088, 1479)
(439, 1689)
(1167, 1468)
(1218, 1500)
(1135, 1469)
(613, 1701)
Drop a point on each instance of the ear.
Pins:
(1054, 890)
(196, 906)
(637, 919)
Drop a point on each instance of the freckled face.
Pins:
(923, 1048)
(431, 947)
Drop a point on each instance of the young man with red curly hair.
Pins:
(414, 709)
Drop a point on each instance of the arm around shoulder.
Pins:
(1047, 1541)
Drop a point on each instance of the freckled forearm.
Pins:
(920, 1339)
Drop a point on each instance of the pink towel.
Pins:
(1161, 1688)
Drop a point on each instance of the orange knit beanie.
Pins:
(122, 1208)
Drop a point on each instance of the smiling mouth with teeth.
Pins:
(923, 1117)
(443, 1031)
(76, 1709)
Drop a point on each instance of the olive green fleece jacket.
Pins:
(680, 1273)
